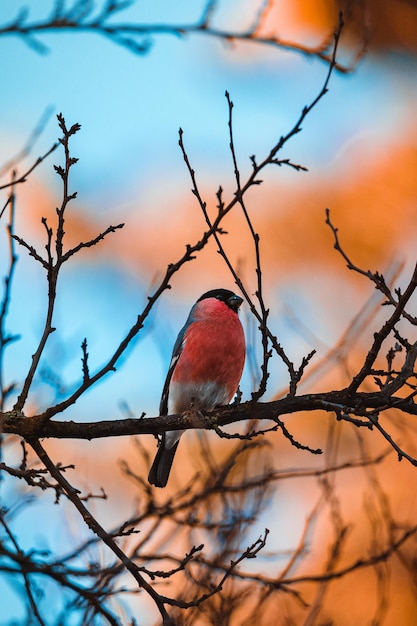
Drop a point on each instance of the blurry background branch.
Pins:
(99, 17)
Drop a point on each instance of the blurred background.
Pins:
(360, 147)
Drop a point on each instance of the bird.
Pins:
(205, 370)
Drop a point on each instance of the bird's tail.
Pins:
(162, 464)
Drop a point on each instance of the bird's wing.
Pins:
(176, 353)
(163, 405)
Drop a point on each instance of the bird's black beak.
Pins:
(234, 302)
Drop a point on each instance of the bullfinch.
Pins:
(206, 366)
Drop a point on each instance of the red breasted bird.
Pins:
(205, 370)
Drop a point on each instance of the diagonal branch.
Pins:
(382, 334)
(23, 177)
(98, 530)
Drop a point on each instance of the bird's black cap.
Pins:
(224, 295)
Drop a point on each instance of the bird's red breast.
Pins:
(210, 365)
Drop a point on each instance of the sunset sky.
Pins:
(359, 145)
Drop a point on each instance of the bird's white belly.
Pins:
(205, 395)
(193, 396)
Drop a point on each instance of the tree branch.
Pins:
(343, 403)
(80, 17)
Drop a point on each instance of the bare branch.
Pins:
(343, 403)
(139, 38)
